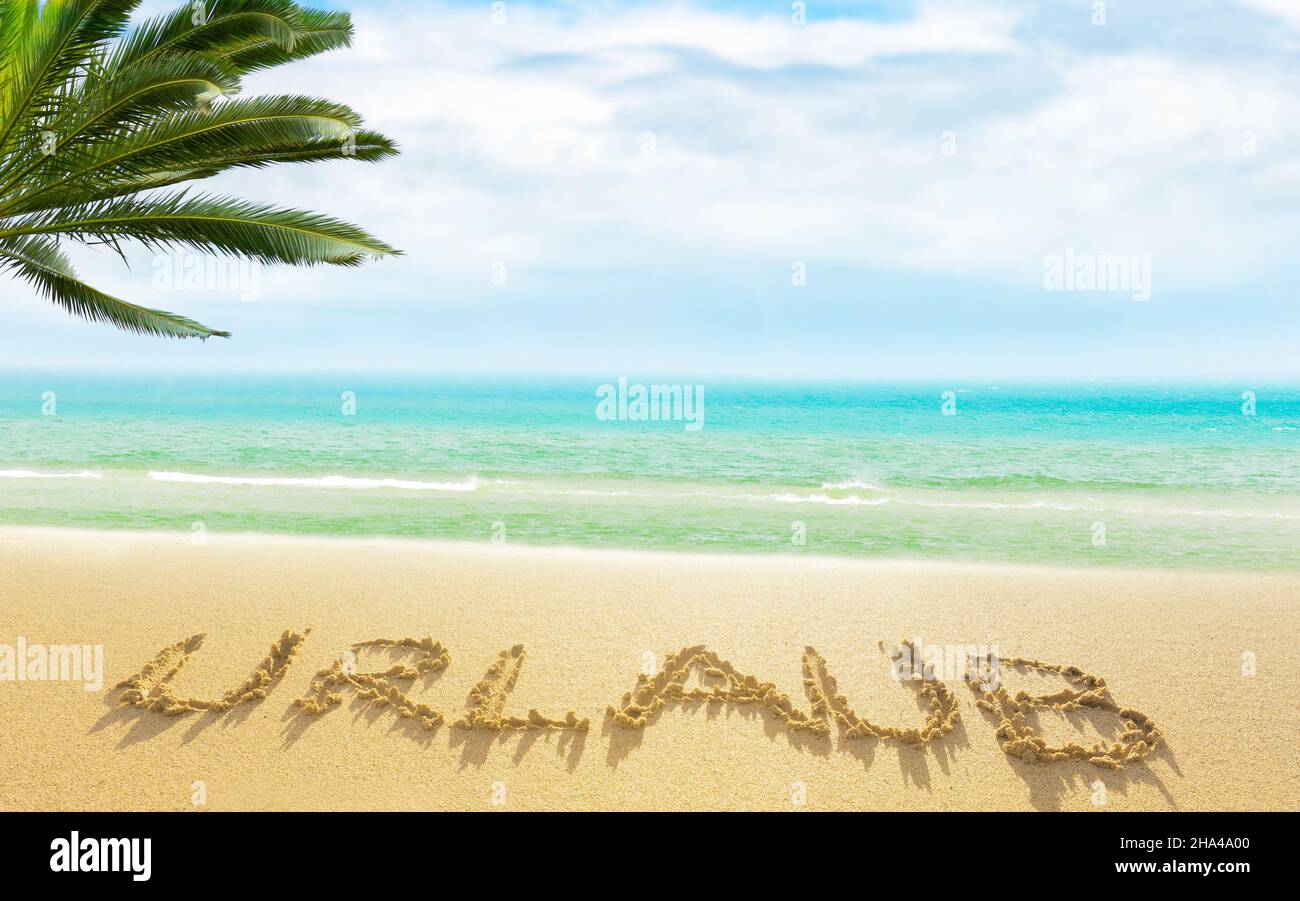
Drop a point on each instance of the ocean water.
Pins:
(1149, 476)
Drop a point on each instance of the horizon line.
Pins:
(649, 375)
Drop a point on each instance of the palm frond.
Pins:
(221, 24)
(235, 227)
(55, 45)
(175, 140)
(315, 32)
(99, 110)
(40, 262)
(97, 119)
(367, 146)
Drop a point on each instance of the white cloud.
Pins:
(1286, 10)
(525, 143)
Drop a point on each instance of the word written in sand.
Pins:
(717, 682)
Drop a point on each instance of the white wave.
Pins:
(857, 483)
(851, 501)
(470, 484)
(31, 474)
(473, 483)
(1093, 505)
(999, 505)
(1238, 514)
(785, 498)
(1098, 507)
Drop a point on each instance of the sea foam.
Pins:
(470, 484)
(32, 474)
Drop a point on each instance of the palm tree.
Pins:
(99, 120)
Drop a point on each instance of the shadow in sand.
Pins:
(623, 740)
(913, 758)
(148, 704)
(484, 724)
(370, 710)
(143, 724)
(476, 744)
(1050, 782)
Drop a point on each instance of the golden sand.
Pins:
(396, 679)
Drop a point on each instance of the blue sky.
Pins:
(650, 176)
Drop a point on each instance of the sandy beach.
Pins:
(483, 634)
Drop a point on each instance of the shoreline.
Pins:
(525, 549)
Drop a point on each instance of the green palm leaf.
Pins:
(96, 118)
(54, 44)
(220, 24)
(237, 228)
(174, 139)
(41, 263)
(317, 31)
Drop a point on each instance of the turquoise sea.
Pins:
(1150, 476)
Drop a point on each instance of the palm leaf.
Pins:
(100, 109)
(176, 139)
(227, 22)
(317, 31)
(367, 146)
(238, 228)
(95, 119)
(54, 46)
(40, 262)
